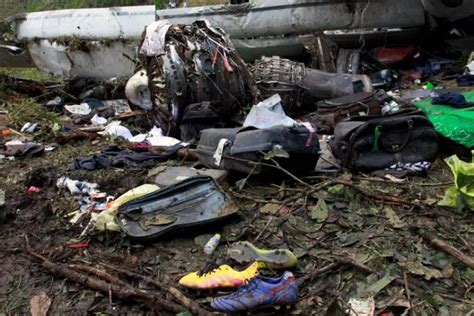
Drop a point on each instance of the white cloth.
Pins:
(154, 43)
(220, 151)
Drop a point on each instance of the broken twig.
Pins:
(99, 273)
(442, 245)
(180, 297)
(121, 292)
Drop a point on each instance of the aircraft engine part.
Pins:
(189, 64)
(299, 86)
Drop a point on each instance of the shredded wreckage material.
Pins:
(191, 64)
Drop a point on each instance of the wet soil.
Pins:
(371, 231)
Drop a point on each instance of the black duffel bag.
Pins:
(375, 143)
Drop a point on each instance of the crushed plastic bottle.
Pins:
(212, 244)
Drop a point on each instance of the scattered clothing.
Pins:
(415, 168)
(452, 123)
(258, 292)
(115, 157)
(465, 81)
(75, 186)
(454, 99)
(418, 95)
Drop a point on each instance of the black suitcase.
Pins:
(250, 144)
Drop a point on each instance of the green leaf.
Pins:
(378, 286)
(277, 151)
(418, 268)
(241, 183)
(303, 226)
(319, 212)
(393, 218)
(336, 189)
(157, 170)
(270, 208)
(202, 240)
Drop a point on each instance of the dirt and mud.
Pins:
(351, 224)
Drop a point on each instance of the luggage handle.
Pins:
(345, 110)
(398, 149)
(366, 106)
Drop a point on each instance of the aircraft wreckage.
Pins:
(102, 43)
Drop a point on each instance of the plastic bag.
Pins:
(462, 192)
(268, 113)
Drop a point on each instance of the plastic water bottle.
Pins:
(212, 244)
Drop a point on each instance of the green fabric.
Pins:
(455, 124)
(376, 139)
(462, 192)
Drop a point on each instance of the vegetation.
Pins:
(27, 110)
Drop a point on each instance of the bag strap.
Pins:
(379, 132)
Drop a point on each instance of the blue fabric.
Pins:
(454, 99)
(116, 157)
(465, 81)
(259, 291)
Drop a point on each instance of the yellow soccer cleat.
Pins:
(222, 277)
(278, 259)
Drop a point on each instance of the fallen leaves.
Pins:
(39, 304)
(417, 268)
(319, 212)
(393, 218)
(270, 208)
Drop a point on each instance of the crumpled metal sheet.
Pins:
(103, 23)
(90, 43)
(97, 61)
(198, 64)
(257, 28)
(266, 18)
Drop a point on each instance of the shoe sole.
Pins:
(244, 252)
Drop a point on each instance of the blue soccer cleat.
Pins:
(260, 291)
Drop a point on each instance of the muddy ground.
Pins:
(354, 235)
(381, 236)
